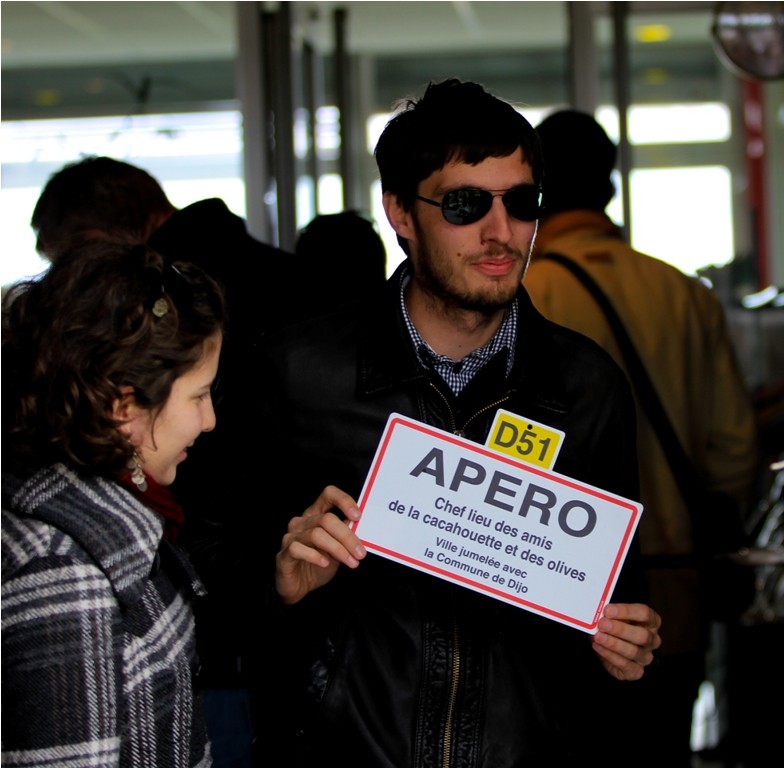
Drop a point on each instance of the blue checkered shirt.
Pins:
(457, 374)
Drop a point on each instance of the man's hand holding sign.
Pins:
(477, 517)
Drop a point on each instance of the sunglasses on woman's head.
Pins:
(468, 205)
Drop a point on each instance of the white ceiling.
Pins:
(45, 34)
(72, 59)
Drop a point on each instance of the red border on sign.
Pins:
(396, 421)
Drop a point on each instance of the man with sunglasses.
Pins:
(379, 664)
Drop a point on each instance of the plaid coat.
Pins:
(97, 632)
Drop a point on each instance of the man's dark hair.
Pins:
(579, 158)
(453, 121)
(94, 197)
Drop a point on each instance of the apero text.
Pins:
(574, 517)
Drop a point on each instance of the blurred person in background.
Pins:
(344, 257)
(678, 327)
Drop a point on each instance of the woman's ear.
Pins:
(125, 411)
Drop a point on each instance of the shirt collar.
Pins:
(457, 374)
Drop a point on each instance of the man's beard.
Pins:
(438, 283)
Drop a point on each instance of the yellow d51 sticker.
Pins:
(524, 439)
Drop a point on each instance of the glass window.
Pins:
(194, 156)
(683, 215)
(680, 213)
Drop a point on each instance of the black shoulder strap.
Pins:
(681, 466)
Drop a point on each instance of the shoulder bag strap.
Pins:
(681, 466)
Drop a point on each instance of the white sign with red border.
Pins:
(508, 529)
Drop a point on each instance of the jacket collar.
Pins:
(581, 221)
(387, 358)
(114, 528)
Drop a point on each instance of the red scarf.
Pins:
(160, 499)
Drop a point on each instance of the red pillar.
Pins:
(754, 150)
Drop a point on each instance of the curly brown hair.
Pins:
(106, 316)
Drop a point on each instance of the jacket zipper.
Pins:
(461, 432)
(456, 652)
(450, 711)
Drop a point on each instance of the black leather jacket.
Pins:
(387, 666)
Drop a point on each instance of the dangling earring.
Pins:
(137, 473)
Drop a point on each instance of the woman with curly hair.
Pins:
(108, 364)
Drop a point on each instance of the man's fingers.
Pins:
(332, 498)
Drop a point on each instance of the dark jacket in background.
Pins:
(218, 485)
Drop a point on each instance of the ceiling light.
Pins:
(652, 33)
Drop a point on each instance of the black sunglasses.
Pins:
(466, 206)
